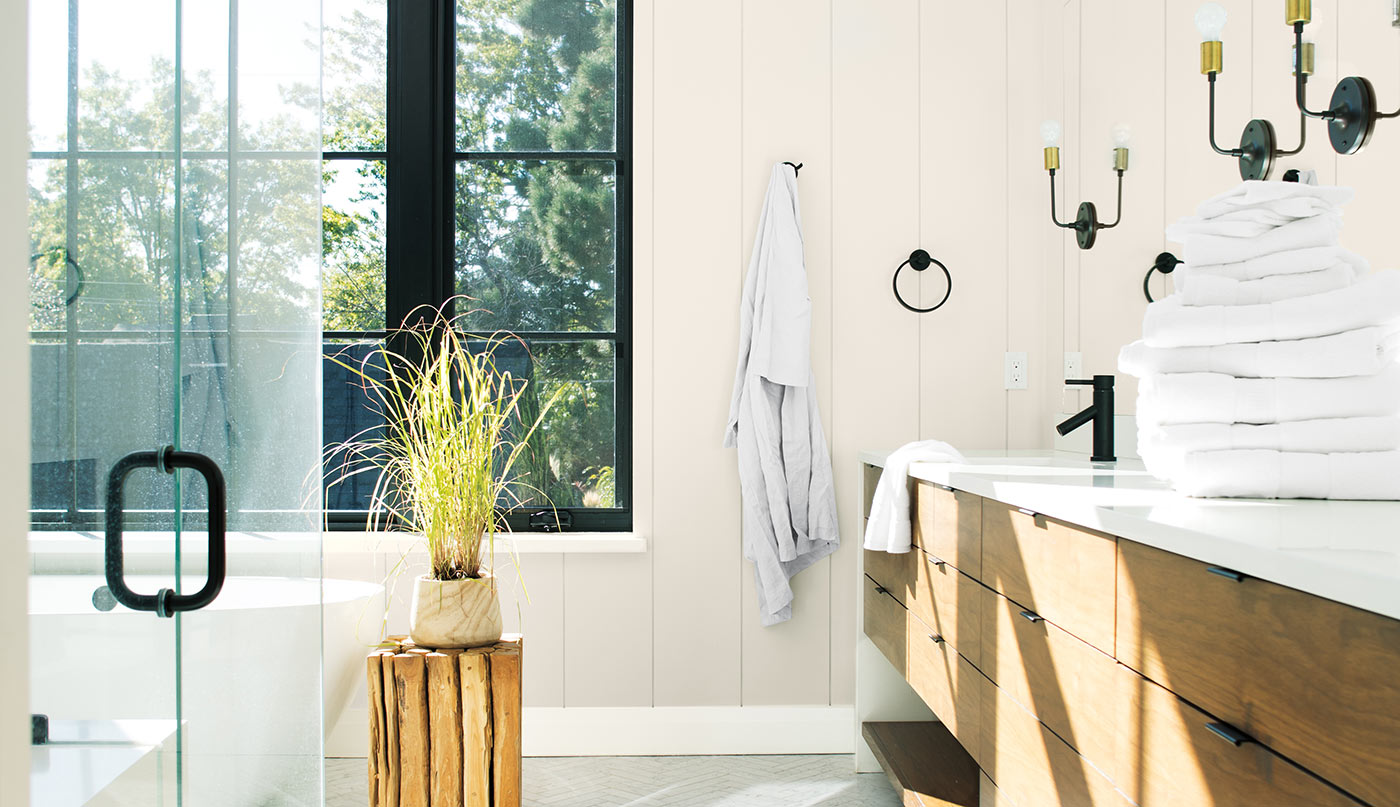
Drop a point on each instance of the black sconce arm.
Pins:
(1218, 149)
(1054, 209)
(1301, 79)
(1119, 217)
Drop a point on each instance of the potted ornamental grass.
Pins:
(445, 459)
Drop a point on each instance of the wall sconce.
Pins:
(1351, 116)
(1086, 224)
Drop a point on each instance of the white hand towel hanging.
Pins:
(789, 503)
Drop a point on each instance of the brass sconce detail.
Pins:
(1086, 224)
(1351, 116)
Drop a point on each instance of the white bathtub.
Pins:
(251, 665)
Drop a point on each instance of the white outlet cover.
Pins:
(1017, 370)
(1074, 365)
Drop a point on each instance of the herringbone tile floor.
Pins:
(753, 781)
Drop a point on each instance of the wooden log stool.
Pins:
(444, 725)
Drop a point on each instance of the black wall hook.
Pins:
(919, 260)
(1165, 263)
(796, 167)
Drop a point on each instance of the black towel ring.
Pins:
(919, 260)
(1164, 264)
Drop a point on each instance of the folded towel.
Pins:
(1315, 231)
(1215, 398)
(1276, 196)
(1290, 475)
(1372, 300)
(1164, 448)
(888, 529)
(1364, 351)
(1250, 222)
(1208, 289)
(1294, 262)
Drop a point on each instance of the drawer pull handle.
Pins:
(1229, 733)
(1032, 616)
(948, 488)
(937, 639)
(1023, 510)
(1229, 574)
(936, 561)
(881, 590)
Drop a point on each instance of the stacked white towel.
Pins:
(1272, 371)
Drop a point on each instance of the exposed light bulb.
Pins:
(1122, 135)
(1210, 21)
(1050, 132)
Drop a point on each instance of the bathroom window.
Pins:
(492, 171)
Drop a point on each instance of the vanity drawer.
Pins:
(948, 525)
(887, 625)
(948, 602)
(989, 795)
(1064, 682)
(894, 572)
(947, 682)
(1310, 678)
(1177, 759)
(1031, 766)
(1063, 573)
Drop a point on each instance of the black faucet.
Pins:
(1100, 411)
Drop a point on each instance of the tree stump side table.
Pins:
(444, 725)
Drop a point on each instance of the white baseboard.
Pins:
(656, 731)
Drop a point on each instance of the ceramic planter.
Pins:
(454, 613)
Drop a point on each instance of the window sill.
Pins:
(535, 543)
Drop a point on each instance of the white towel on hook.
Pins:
(1282, 196)
(1294, 262)
(1364, 351)
(1372, 300)
(789, 500)
(889, 529)
(1215, 398)
(1164, 448)
(1314, 231)
(1371, 475)
(1207, 289)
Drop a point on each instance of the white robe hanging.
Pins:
(789, 504)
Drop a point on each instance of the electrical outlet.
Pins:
(1016, 371)
(1074, 365)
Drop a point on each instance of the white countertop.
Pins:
(1345, 551)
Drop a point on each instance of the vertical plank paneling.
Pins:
(608, 630)
(540, 616)
(786, 115)
(875, 224)
(1071, 189)
(962, 121)
(696, 283)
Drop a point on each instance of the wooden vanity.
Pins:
(1075, 667)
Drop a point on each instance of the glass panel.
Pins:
(349, 413)
(48, 76)
(536, 75)
(356, 61)
(573, 457)
(352, 215)
(205, 64)
(535, 246)
(126, 81)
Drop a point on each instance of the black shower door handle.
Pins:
(166, 602)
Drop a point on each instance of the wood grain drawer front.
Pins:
(948, 602)
(947, 682)
(1064, 682)
(887, 625)
(1316, 681)
(1063, 573)
(1176, 758)
(893, 572)
(948, 525)
(990, 795)
(1034, 768)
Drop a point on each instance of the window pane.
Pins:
(126, 76)
(536, 75)
(535, 247)
(572, 459)
(48, 76)
(356, 58)
(352, 238)
(348, 414)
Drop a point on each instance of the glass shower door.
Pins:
(175, 307)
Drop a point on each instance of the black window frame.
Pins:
(421, 160)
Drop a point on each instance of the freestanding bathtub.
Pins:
(254, 701)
